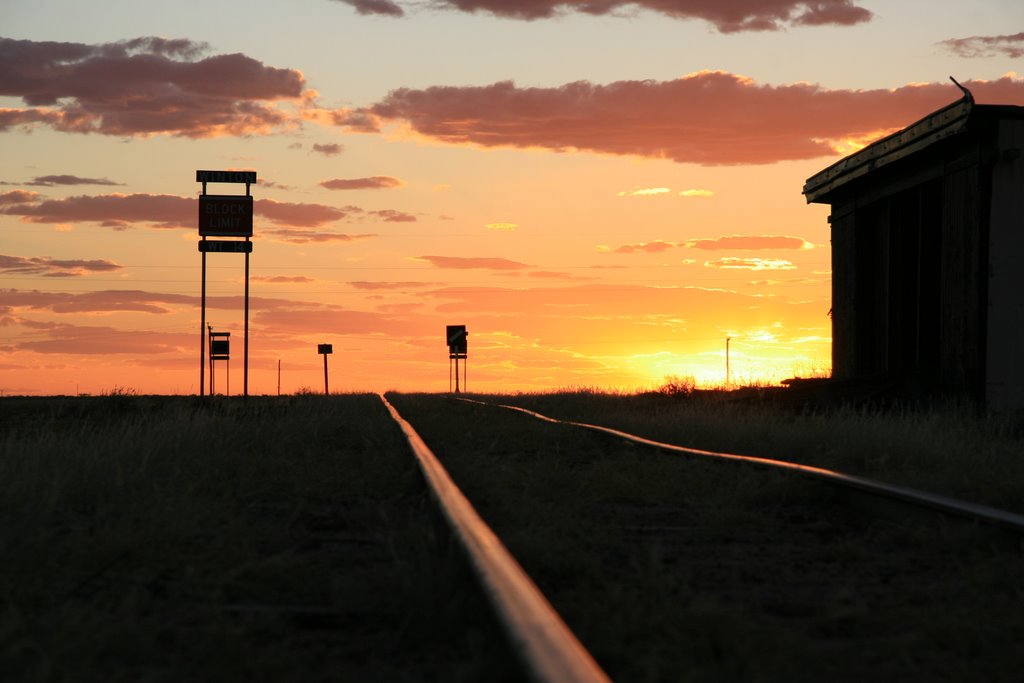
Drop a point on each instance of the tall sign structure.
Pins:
(458, 347)
(225, 216)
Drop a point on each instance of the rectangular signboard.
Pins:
(212, 246)
(456, 335)
(246, 177)
(220, 349)
(225, 215)
(325, 348)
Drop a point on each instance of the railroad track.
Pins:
(624, 529)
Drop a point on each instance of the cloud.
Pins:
(18, 197)
(696, 193)
(502, 227)
(556, 275)
(103, 301)
(283, 279)
(750, 264)
(133, 300)
(376, 182)
(749, 243)
(297, 236)
(376, 286)
(472, 262)
(121, 211)
(48, 267)
(645, 192)
(329, 150)
(92, 340)
(649, 247)
(392, 216)
(1011, 46)
(141, 87)
(118, 211)
(384, 7)
(51, 180)
(301, 214)
(727, 17)
(709, 118)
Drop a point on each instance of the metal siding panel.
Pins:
(1004, 366)
(844, 275)
(960, 353)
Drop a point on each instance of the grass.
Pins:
(168, 539)
(671, 569)
(945, 448)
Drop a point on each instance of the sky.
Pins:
(602, 192)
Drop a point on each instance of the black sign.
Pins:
(228, 247)
(220, 348)
(225, 215)
(456, 336)
(245, 177)
(325, 348)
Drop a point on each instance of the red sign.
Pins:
(225, 215)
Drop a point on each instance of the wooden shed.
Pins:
(928, 254)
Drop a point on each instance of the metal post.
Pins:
(212, 376)
(326, 390)
(278, 376)
(727, 361)
(456, 373)
(202, 323)
(245, 343)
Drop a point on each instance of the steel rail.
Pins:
(945, 504)
(546, 646)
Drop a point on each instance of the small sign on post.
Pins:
(325, 350)
(457, 348)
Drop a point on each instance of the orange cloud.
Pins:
(372, 286)
(649, 247)
(283, 279)
(472, 262)
(710, 118)
(48, 267)
(121, 211)
(645, 192)
(298, 236)
(749, 243)
(376, 182)
(142, 87)
(731, 263)
(18, 197)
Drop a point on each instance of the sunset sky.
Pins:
(601, 191)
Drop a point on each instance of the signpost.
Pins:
(220, 349)
(225, 216)
(325, 350)
(456, 336)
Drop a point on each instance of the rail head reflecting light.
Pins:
(549, 650)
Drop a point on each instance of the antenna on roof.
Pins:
(967, 93)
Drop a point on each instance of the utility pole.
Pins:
(727, 361)
(278, 376)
